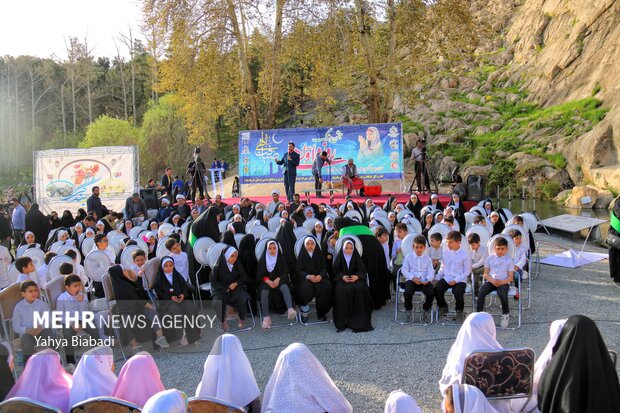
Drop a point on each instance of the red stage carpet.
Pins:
(339, 198)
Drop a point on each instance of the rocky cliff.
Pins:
(566, 50)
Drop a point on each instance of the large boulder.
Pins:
(604, 199)
(582, 197)
(476, 170)
(446, 166)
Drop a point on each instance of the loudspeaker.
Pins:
(150, 198)
(475, 188)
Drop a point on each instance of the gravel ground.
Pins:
(368, 366)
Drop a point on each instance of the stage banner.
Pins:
(377, 150)
(64, 177)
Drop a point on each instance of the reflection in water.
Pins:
(548, 209)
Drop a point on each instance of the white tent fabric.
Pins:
(572, 259)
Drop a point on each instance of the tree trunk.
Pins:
(274, 103)
(246, 74)
(73, 107)
(64, 116)
(17, 139)
(388, 110)
(133, 78)
(363, 27)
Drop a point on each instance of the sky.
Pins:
(42, 27)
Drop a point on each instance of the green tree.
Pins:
(107, 131)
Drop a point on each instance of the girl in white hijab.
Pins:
(329, 224)
(530, 405)
(299, 383)
(476, 333)
(273, 276)
(463, 398)
(400, 402)
(228, 375)
(94, 375)
(169, 401)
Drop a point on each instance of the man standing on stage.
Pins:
(290, 160)
(419, 165)
(317, 165)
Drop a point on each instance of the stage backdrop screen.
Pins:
(377, 150)
(64, 177)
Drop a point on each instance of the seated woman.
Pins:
(311, 281)
(140, 369)
(94, 375)
(132, 299)
(463, 398)
(44, 380)
(169, 401)
(172, 290)
(299, 383)
(273, 284)
(400, 402)
(228, 375)
(477, 333)
(580, 377)
(352, 301)
(228, 280)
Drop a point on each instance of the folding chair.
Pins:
(501, 374)
(9, 297)
(105, 404)
(212, 405)
(26, 405)
(54, 289)
(110, 300)
(418, 300)
(151, 269)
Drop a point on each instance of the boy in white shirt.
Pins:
(419, 274)
(520, 258)
(478, 254)
(77, 267)
(434, 251)
(498, 273)
(74, 301)
(43, 270)
(181, 263)
(27, 270)
(101, 244)
(453, 273)
(400, 232)
(139, 259)
(23, 318)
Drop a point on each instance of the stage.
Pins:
(339, 199)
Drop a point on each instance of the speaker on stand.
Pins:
(475, 188)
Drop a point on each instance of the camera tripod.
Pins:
(425, 176)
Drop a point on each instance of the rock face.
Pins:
(568, 50)
(596, 198)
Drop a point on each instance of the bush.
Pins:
(548, 189)
(502, 173)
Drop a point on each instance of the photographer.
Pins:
(317, 165)
(419, 157)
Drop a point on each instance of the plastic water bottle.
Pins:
(19, 358)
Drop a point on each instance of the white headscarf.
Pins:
(61, 233)
(168, 275)
(169, 401)
(229, 251)
(347, 257)
(476, 333)
(306, 209)
(329, 227)
(306, 244)
(270, 260)
(400, 402)
(93, 376)
(228, 374)
(474, 400)
(29, 232)
(531, 404)
(299, 383)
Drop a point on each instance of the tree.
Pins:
(107, 131)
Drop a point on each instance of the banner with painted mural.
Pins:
(377, 150)
(64, 177)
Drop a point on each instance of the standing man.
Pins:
(18, 220)
(290, 160)
(134, 206)
(93, 204)
(317, 165)
(5, 230)
(417, 156)
(166, 183)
